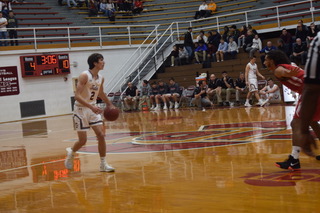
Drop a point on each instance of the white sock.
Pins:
(296, 152)
(247, 101)
(158, 105)
(103, 159)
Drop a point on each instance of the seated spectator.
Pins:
(287, 39)
(248, 40)
(74, 3)
(144, 93)
(234, 33)
(225, 33)
(93, 8)
(183, 55)
(227, 86)
(222, 49)
(13, 23)
(253, 30)
(256, 46)
(154, 92)
(300, 51)
(201, 51)
(232, 48)
(312, 32)
(131, 99)
(173, 94)
(3, 29)
(127, 5)
(284, 48)
(200, 98)
(120, 6)
(83, 3)
(211, 52)
(203, 11)
(241, 87)
(137, 7)
(214, 88)
(265, 50)
(242, 36)
(271, 93)
(202, 37)
(215, 39)
(163, 90)
(174, 56)
(301, 32)
(107, 8)
(212, 7)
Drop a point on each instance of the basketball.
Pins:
(111, 114)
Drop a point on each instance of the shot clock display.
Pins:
(46, 64)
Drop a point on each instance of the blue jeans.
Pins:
(3, 35)
(189, 50)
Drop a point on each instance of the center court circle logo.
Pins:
(282, 178)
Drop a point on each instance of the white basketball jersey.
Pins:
(252, 74)
(276, 94)
(91, 90)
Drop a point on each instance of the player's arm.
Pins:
(263, 90)
(260, 75)
(280, 72)
(274, 89)
(103, 96)
(246, 74)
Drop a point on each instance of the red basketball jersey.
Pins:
(295, 83)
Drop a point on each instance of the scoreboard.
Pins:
(45, 64)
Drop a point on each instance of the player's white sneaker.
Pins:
(264, 102)
(176, 105)
(165, 107)
(152, 107)
(247, 104)
(260, 102)
(157, 108)
(104, 167)
(68, 162)
(171, 105)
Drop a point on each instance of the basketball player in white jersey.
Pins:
(251, 74)
(271, 93)
(86, 113)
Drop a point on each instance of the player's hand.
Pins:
(96, 110)
(294, 71)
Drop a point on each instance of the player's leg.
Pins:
(164, 99)
(175, 98)
(247, 104)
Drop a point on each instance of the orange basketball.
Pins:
(111, 114)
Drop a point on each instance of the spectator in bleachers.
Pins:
(144, 94)
(214, 88)
(137, 7)
(131, 99)
(200, 98)
(120, 6)
(202, 11)
(287, 39)
(201, 51)
(234, 33)
(265, 50)
(222, 49)
(154, 92)
(225, 33)
(248, 40)
(83, 3)
(270, 93)
(211, 52)
(232, 48)
(3, 29)
(173, 94)
(253, 30)
(107, 8)
(256, 46)
(300, 51)
(202, 37)
(188, 42)
(312, 32)
(183, 55)
(163, 90)
(12, 23)
(304, 27)
(227, 86)
(5, 7)
(74, 3)
(212, 7)
(215, 39)
(301, 33)
(242, 36)
(127, 5)
(93, 8)
(241, 87)
(174, 56)
(284, 48)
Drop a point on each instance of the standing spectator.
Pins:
(201, 51)
(13, 24)
(287, 39)
(271, 93)
(200, 98)
(202, 37)
(227, 86)
(202, 11)
(232, 48)
(174, 56)
(5, 7)
(183, 55)
(240, 86)
(312, 32)
(3, 29)
(214, 88)
(248, 40)
(265, 50)
(144, 93)
(154, 92)
(137, 7)
(132, 97)
(242, 36)
(301, 32)
(222, 49)
(300, 50)
(256, 45)
(251, 80)
(173, 94)
(188, 42)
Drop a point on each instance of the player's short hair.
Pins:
(94, 57)
(278, 57)
(171, 79)
(224, 72)
(270, 79)
(146, 81)
(253, 57)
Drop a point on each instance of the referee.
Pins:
(310, 96)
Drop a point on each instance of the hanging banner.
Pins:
(9, 84)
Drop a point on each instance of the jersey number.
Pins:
(92, 95)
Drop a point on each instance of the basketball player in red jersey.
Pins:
(293, 77)
(86, 113)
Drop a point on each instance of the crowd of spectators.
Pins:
(8, 23)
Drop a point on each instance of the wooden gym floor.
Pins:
(221, 160)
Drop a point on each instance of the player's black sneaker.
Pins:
(290, 163)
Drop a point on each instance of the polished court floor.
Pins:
(221, 160)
